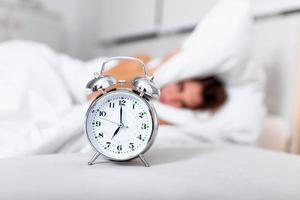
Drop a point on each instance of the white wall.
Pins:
(276, 48)
(79, 22)
(151, 15)
(30, 22)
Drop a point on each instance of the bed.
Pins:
(207, 172)
(53, 104)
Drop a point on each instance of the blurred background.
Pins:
(86, 29)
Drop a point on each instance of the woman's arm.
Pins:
(125, 70)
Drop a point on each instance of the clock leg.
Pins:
(142, 158)
(94, 158)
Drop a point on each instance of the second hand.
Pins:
(112, 122)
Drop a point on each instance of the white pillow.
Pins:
(219, 46)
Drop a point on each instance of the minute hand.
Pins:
(121, 115)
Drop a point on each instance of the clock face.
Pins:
(119, 125)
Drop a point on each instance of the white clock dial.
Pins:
(119, 125)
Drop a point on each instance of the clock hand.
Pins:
(116, 132)
(121, 118)
(121, 115)
(121, 126)
(110, 121)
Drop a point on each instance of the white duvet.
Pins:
(43, 103)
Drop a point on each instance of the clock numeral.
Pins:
(131, 146)
(144, 126)
(111, 105)
(102, 113)
(141, 115)
(122, 102)
(133, 106)
(139, 137)
(98, 123)
(108, 144)
(119, 147)
(100, 135)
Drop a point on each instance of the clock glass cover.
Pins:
(119, 125)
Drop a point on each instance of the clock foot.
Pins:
(142, 158)
(94, 158)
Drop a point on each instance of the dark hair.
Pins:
(214, 93)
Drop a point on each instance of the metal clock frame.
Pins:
(149, 142)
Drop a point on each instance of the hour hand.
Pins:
(116, 132)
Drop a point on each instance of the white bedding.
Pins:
(220, 46)
(206, 172)
(42, 104)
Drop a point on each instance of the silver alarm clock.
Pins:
(121, 124)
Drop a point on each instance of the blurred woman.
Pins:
(207, 93)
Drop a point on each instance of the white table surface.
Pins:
(227, 172)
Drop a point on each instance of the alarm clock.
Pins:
(121, 124)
